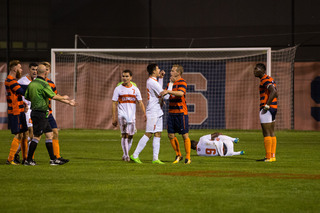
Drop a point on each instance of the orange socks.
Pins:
(267, 146)
(187, 146)
(273, 147)
(24, 148)
(14, 146)
(56, 148)
(175, 145)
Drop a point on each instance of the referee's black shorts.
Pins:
(40, 122)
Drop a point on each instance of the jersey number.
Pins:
(211, 151)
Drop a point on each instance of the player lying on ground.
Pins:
(215, 144)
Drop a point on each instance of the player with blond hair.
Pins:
(178, 113)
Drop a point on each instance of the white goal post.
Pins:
(222, 91)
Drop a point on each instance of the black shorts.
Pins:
(40, 123)
(17, 123)
(178, 123)
(52, 121)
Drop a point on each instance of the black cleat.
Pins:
(64, 160)
(56, 162)
(16, 159)
(29, 163)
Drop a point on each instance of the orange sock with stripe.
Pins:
(187, 146)
(267, 146)
(24, 148)
(56, 148)
(273, 147)
(14, 146)
(175, 145)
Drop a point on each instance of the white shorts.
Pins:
(28, 118)
(128, 128)
(154, 124)
(265, 117)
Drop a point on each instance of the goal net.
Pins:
(222, 91)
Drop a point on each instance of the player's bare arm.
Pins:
(143, 110)
(175, 93)
(114, 109)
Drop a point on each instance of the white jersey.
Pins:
(207, 147)
(220, 146)
(24, 82)
(127, 98)
(154, 89)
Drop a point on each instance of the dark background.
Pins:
(30, 28)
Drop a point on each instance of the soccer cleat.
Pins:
(29, 163)
(273, 159)
(136, 160)
(56, 162)
(242, 152)
(11, 163)
(265, 160)
(236, 140)
(157, 162)
(187, 161)
(64, 160)
(127, 159)
(178, 159)
(16, 159)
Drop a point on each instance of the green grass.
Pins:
(97, 180)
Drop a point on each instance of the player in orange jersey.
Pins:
(24, 82)
(16, 110)
(268, 111)
(178, 113)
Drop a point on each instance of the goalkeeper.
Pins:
(215, 144)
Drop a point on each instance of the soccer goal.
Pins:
(222, 91)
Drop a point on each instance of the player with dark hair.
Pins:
(154, 113)
(178, 113)
(16, 110)
(215, 144)
(268, 111)
(126, 95)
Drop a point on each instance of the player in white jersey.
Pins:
(24, 82)
(125, 96)
(215, 144)
(154, 113)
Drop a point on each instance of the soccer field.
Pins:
(97, 180)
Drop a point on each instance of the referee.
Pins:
(39, 92)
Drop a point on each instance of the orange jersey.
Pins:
(14, 94)
(265, 82)
(54, 89)
(178, 105)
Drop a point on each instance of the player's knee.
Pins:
(171, 136)
(157, 134)
(55, 133)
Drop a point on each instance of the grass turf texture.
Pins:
(97, 180)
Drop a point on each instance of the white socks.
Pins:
(142, 143)
(124, 144)
(156, 148)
